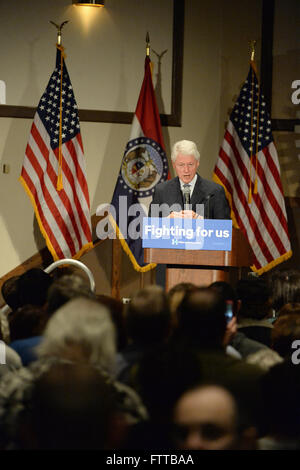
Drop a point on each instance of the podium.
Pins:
(202, 267)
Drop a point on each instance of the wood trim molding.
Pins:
(285, 125)
(118, 117)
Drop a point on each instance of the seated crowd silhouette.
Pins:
(167, 371)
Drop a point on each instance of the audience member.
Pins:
(285, 288)
(207, 418)
(80, 332)
(65, 288)
(32, 287)
(286, 330)
(26, 326)
(9, 359)
(9, 292)
(71, 407)
(147, 324)
(255, 309)
(195, 354)
(174, 350)
(116, 308)
(235, 338)
(175, 296)
(290, 308)
(281, 391)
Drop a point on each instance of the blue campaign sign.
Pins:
(187, 234)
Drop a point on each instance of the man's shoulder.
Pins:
(167, 185)
(210, 186)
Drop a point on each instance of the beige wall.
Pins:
(216, 55)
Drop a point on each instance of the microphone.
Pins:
(206, 205)
(186, 191)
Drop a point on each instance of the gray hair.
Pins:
(185, 147)
(81, 329)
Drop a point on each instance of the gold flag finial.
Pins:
(252, 46)
(147, 45)
(59, 28)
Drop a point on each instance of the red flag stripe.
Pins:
(74, 231)
(274, 209)
(244, 204)
(72, 145)
(72, 208)
(50, 234)
(62, 209)
(273, 201)
(40, 183)
(147, 110)
(78, 204)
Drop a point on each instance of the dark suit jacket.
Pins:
(211, 194)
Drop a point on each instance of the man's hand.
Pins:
(185, 215)
(230, 332)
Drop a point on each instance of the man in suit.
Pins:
(188, 194)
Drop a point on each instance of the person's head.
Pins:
(9, 291)
(175, 296)
(286, 330)
(80, 331)
(32, 287)
(227, 292)
(185, 159)
(72, 407)
(207, 418)
(254, 295)
(148, 316)
(116, 308)
(290, 308)
(65, 288)
(202, 318)
(27, 321)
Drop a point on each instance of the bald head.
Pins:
(206, 418)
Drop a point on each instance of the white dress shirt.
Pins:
(191, 183)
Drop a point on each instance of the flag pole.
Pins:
(59, 27)
(59, 184)
(142, 278)
(147, 45)
(252, 45)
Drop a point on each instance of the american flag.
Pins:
(53, 172)
(248, 169)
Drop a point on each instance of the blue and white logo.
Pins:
(187, 234)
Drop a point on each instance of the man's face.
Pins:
(204, 419)
(185, 167)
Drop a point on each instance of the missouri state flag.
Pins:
(248, 169)
(143, 166)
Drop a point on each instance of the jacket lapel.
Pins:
(175, 195)
(198, 193)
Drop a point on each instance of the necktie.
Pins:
(186, 194)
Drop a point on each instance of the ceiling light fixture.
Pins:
(89, 3)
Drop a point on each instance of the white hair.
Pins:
(81, 325)
(185, 147)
